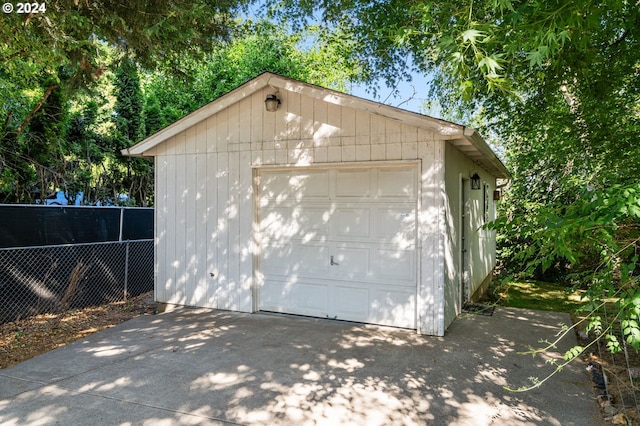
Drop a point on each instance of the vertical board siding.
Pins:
(430, 283)
(245, 221)
(201, 274)
(292, 116)
(222, 236)
(212, 232)
(190, 140)
(212, 134)
(233, 220)
(161, 228)
(205, 198)
(256, 109)
(181, 271)
(201, 137)
(192, 293)
(170, 240)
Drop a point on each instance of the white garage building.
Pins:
(329, 205)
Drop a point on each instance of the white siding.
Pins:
(205, 194)
(221, 283)
(480, 258)
(431, 281)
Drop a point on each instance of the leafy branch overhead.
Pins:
(65, 51)
(557, 86)
(117, 73)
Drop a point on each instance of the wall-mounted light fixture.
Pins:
(496, 195)
(272, 103)
(475, 181)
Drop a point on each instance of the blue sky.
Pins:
(412, 95)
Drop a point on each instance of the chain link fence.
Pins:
(36, 280)
(616, 376)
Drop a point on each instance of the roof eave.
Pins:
(141, 148)
(477, 148)
(484, 154)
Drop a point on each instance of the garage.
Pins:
(339, 243)
(282, 196)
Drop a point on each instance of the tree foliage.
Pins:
(84, 80)
(64, 51)
(258, 47)
(557, 84)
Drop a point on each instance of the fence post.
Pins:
(126, 270)
(120, 231)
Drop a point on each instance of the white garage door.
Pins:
(339, 243)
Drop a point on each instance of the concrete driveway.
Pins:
(194, 366)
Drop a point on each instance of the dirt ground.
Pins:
(24, 339)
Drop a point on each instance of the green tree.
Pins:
(131, 176)
(64, 49)
(312, 56)
(153, 117)
(557, 83)
(88, 148)
(127, 111)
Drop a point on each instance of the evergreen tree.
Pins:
(153, 117)
(132, 177)
(129, 104)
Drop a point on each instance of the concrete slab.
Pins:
(195, 366)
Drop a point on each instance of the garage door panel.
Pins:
(396, 224)
(310, 298)
(277, 260)
(397, 183)
(353, 184)
(310, 184)
(312, 260)
(275, 295)
(394, 306)
(351, 222)
(300, 259)
(351, 303)
(274, 187)
(295, 296)
(352, 263)
(282, 225)
(286, 186)
(314, 224)
(395, 265)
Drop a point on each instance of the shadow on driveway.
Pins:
(195, 366)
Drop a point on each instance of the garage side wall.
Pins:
(205, 193)
(476, 262)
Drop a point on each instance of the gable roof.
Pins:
(466, 139)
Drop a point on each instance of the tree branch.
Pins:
(35, 109)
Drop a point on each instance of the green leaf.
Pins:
(613, 344)
(473, 36)
(489, 64)
(573, 353)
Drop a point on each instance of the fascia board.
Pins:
(487, 153)
(197, 116)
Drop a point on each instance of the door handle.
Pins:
(332, 262)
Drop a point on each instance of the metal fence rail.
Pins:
(37, 280)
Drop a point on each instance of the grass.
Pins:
(538, 295)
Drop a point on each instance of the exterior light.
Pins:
(272, 103)
(475, 181)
